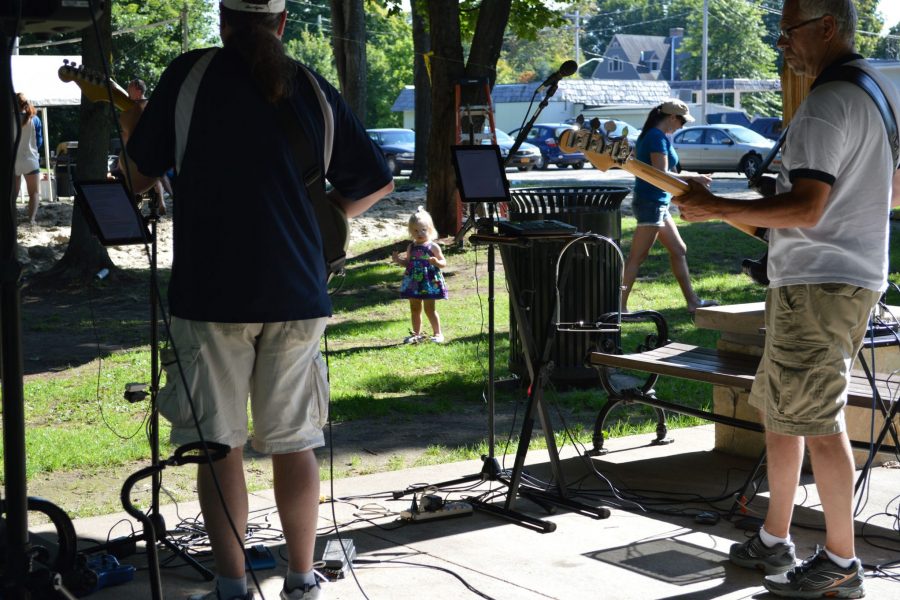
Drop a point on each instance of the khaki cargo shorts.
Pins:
(813, 333)
(278, 365)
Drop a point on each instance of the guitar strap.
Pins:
(302, 149)
(857, 76)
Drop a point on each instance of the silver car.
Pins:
(709, 148)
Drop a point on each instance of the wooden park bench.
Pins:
(662, 357)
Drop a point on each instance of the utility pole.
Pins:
(704, 62)
(577, 17)
(184, 28)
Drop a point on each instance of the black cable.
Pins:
(424, 566)
(334, 520)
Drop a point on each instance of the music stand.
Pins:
(116, 220)
(481, 178)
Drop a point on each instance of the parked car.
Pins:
(769, 127)
(527, 157)
(633, 132)
(545, 136)
(398, 146)
(710, 148)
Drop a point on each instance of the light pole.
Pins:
(597, 59)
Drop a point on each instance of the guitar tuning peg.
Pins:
(579, 120)
(66, 61)
(609, 126)
(595, 124)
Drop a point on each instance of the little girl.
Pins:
(423, 282)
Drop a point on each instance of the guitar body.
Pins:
(95, 86)
(604, 154)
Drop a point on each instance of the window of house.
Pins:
(615, 65)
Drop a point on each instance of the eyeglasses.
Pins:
(786, 31)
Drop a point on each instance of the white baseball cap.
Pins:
(257, 6)
(678, 108)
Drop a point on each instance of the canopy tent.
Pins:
(37, 78)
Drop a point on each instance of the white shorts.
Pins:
(278, 365)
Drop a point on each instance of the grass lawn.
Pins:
(79, 424)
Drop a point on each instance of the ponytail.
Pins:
(656, 115)
(253, 38)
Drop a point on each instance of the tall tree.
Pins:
(389, 58)
(348, 22)
(84, 255)
(738, 47)
(638, 17)
(422, 82)
(452, 21)
(868, 27)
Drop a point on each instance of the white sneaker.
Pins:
(438, 339)
(413, 339)
(307, 592)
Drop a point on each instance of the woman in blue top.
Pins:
(650, 205)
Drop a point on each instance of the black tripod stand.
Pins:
(158, 534)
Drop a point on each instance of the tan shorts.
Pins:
(813, 333)
(278, 365)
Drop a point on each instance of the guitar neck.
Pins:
(664, 181)
(94, 86)
(677, 186)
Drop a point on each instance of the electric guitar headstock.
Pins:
(598, 146)
(94, 85)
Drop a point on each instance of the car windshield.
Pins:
(747, 136)
(502, 136)
(398, 137)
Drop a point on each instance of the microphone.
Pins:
(567, 68)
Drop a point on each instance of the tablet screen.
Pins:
(111, 212)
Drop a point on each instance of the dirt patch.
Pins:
(71, 328)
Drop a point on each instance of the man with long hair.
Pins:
(247, 295)
(827, 267)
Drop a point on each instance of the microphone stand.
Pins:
(523, 132)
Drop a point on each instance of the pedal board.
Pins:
(448, 510)
(336, 560)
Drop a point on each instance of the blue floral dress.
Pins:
(422, 280)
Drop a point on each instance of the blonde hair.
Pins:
(421, 217)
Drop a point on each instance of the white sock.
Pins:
(231, 588)
(294, 579)
(770, 540)
(843, 563)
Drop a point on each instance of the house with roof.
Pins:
(628, 100)
(645, 57)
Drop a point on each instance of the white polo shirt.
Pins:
(838, 136)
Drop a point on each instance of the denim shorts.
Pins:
(278, 365)
(813, 333)
(650, 212)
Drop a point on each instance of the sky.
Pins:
(890, 10)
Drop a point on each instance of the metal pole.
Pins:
(18, 555)
(184, 28)
(704, 62)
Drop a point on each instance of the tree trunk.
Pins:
(348, 23)
(421, 46)
(85, 256)
(446, 70)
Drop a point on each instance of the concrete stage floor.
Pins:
(650, 547)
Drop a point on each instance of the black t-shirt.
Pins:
(247, 247)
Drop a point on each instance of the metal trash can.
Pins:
(64, 180)
(593, 281)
